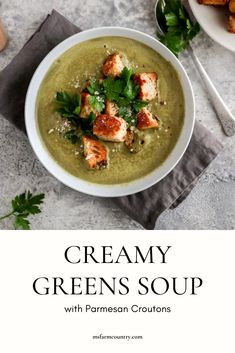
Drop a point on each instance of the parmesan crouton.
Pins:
(111, 108)
(110, 128)
(146, 120)
(213, 2)
(95, 153)
(86, 107)
(148, 85)
(130, 139)
(232, 6)
(231, 23)
(132, 142)
(113, 65)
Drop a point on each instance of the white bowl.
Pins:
(98, 189)
(214, 22)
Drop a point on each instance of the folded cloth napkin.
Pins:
(145, 206)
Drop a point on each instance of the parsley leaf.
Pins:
(69, 105)
(112, 88)
(171, 19)
(131, 120)
(138, 105)
(130, 89)
(97, 102)
(87, 124)
(123, 102)
(21, 223)
(24, 205)
(126, 74)
(27, 203)
(95, 87)
(127, 114)
(175, 42)
(179, 28)
(97, 98)
(71, 136)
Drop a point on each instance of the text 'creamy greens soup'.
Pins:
(77, 104)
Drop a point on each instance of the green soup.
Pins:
(70, 72)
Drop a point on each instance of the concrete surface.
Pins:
(211, 205)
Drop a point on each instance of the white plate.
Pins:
(214, 22)
(98, 189)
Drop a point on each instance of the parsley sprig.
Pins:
(87, 124)
(72, 136)
(179, 28)
(69, 105)
(122, 90)
(97, 97)
(22, 206)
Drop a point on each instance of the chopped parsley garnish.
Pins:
(127, 101)
(138, 105)
(130, 89)
(122, 90)
(95, 87)
(97, 97)
(87, 124)
(22, 206)
(112, 88)
(72, 136)
(69, 105)
(179, 28)
(97, 102)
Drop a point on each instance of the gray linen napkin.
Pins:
(145, 206)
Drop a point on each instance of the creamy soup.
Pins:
(70, 72)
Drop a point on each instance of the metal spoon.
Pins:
(226, 118)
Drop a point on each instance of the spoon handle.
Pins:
(223, 113)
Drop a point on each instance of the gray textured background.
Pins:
(211, 205)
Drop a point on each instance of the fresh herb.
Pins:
(112, 88)
(87, 124)
(127, 114)
(131, 119)
(138, 105)
(97, 97)
(69, 105)
(123, 102)
(95, 87)
(179, 28)
(72, 136)
(22, 206)
(130, 89)
(97, 102)
(122, 90)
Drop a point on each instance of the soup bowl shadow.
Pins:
(115, 190)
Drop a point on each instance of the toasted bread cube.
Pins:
(111, 108)
(110, 128)
(232, 6)
(148, 85)
(213, 2)
(95, 152)
(113, 65)
(146, 120)
(130, 139)
(86, 107)
(231, 24)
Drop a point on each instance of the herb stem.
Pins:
(7, 215)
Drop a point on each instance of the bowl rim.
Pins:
(104, 190)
